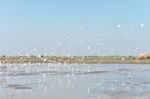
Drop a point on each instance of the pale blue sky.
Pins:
(74, 27)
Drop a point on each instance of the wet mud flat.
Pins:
(72, 81)
(74, 59)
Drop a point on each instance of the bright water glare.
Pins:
(74, 81)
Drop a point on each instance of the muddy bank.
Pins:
(75, 59)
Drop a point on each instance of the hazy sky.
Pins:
(74, 27)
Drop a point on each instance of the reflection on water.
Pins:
(86, 81)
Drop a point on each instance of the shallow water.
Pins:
(75, 81)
